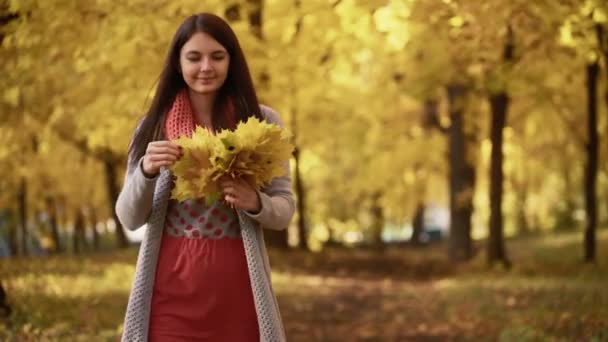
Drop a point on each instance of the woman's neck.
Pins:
(202, 105)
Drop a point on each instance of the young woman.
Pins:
(202, 272)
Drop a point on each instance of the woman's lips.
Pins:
(206, 80)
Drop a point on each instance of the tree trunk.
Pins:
(462, 178)
(377, 213)
(52, 211)
(604, 39)
(93, 220)
(276, 238)
(591, 166)
(78, 237)
(417, 224)
(521, 193)
(301, 202)
(496, 246)
(113, 192)
(499, 105)
(255, 17)
(13, 228)
(299, 186)
(22, 200)
(5, 309)
(565, 217)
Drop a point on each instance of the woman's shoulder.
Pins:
(270, 114)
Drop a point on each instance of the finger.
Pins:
(165, 144)
(174, 145)
(158, 165)
(231, 200)
(225, 179)
(164, 150)
(226, 183)
(230, 191)
(165, 163)
(155, 164)
(244, 183)
(162, 143)
(162, 157)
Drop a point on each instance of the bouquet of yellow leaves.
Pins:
(255, 152)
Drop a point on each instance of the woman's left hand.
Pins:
(240, 195)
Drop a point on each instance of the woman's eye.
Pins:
(193, 59)
(218, 57)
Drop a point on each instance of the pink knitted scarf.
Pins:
(180, 118)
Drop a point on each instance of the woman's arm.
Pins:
(135, 200)
(276, 200)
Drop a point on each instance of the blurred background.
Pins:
(451, 170)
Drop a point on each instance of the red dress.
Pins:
(202, 290)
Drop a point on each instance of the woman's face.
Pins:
(204, 63)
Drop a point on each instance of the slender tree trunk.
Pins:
(430, 119)
(78, 237)
(591, 166)
(12, 233)
(523, 227)
(565, 218)
(499, 104)
(63, 219)
(22, 200)
(113, 192)
(377, 213)
(51, 208)
(5, 309)
(418, 223)
(299, 186)
(462, 178)
(496, 246)
(603, 35)
(521, 190)
(255, 17)
(276, 238)
(93, 220)
(301, 202)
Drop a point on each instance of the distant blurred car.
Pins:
(431, 233)
(436, 227)
(436, 224)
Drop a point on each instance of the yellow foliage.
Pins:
(197, 167)
(11, 96)
(256, 151)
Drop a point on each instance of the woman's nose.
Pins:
(206, 64)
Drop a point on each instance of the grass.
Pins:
(400, 294)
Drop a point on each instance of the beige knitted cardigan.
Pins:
(144, 201)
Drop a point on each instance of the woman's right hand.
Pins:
(158, 154)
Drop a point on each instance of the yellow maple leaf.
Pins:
(194, 172)
(261, 150)
(255, 151)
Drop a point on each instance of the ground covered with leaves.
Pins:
(400, 294)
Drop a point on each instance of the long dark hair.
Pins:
(237, 92)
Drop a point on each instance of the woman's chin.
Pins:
(204, 90)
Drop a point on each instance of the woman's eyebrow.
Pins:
(212, 52)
